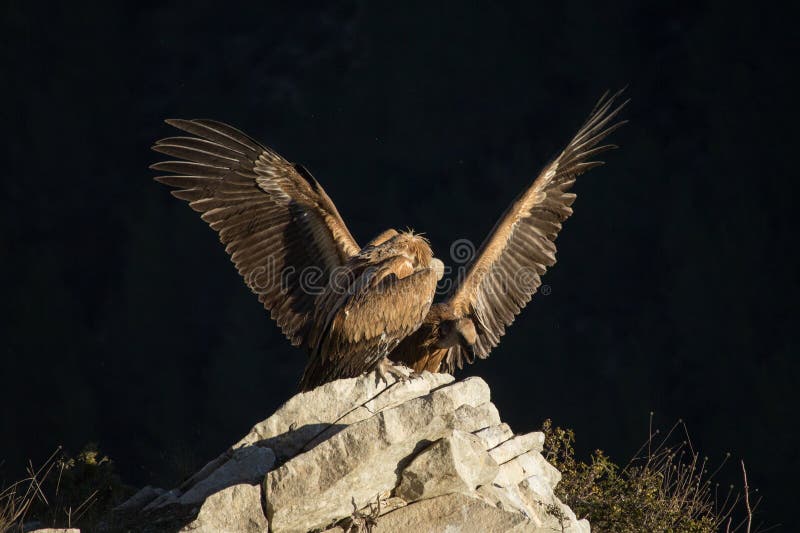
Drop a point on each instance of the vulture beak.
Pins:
(470, 349)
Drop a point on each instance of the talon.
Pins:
(399, 372)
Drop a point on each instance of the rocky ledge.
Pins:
(428, 454)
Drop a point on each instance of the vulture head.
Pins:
(459, 332)
(414, 246)
(452, 330)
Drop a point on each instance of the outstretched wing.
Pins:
(367, 323)
(279, 226)
(508, 268)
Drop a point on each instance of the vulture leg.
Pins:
(387, 368)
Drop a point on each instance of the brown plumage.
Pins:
(347, 306)
(380, 297)
(508, 267)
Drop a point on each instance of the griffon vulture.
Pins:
(348, 307)
(507, 269)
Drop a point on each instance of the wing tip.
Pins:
(174, 122)
(605, 109)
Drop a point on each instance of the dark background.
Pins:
(125, 324)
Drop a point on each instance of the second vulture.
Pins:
(354, 309)
(508, 268)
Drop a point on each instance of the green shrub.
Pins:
(665, 487)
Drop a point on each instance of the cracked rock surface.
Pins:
(425, 454)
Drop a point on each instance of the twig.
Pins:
(747, 499)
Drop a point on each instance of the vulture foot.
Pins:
(386, 368)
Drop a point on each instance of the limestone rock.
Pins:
(517, 446)
(453, 513)
(245, 465)
(310, 417)
(530, 463)
(510, 473)
(475, 417)
(140, 499)
(509, 499)
(232, 510)
(313, 416)
(362, 460)
(542, 503)
(424, 454)
(456, 463)
(494, 435)
(526, 484)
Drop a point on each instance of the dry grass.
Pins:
(666, 486)
(63, 492)
(17, 499)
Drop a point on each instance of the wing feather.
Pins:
(270, 214)
(521, 247)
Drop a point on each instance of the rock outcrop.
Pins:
(426, 454)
